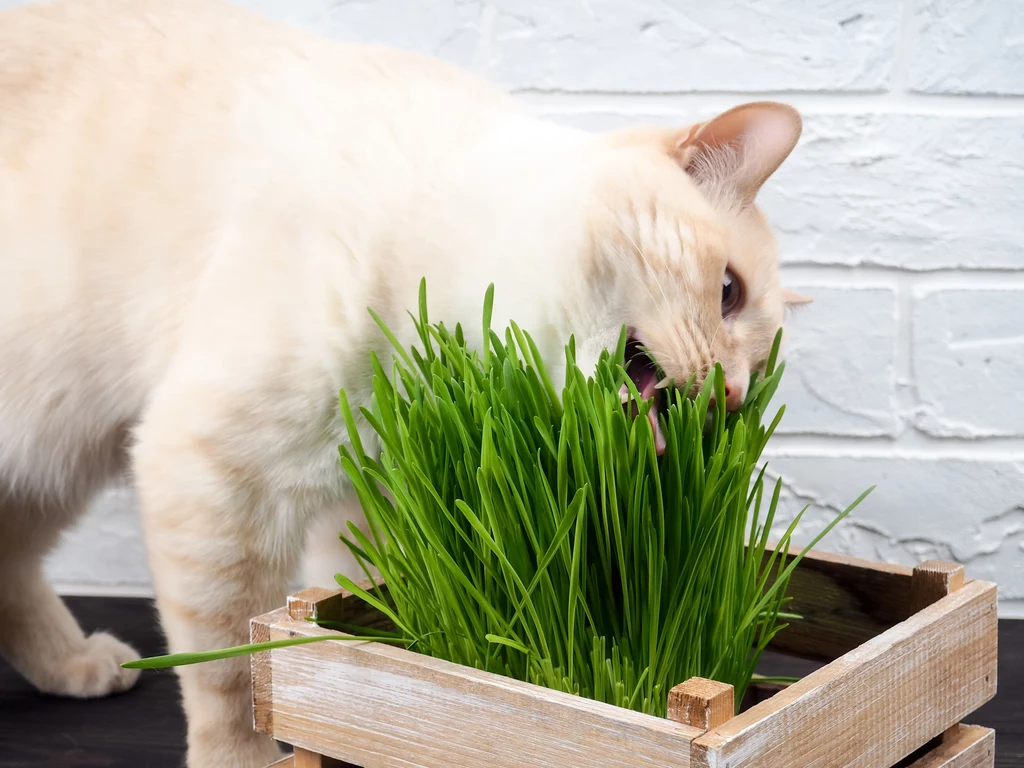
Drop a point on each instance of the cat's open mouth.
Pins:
(649, 382)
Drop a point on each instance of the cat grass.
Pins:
(538, 534)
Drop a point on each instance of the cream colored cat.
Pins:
(196, 208)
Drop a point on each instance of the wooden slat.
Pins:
(876, 704)
(338, 605)
(844, 601)
(303, 758)
(701, 703)
(965, 746)
(372, 704)
(261, 671)
(316, 603)
(285, 762)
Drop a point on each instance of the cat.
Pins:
(197, 206)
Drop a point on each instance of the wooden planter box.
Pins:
(910, 652)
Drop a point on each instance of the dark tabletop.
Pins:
(144, 727)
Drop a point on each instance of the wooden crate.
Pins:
(910, 651)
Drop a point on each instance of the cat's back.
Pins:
(62, 51)
(130, 127)
(109, 59)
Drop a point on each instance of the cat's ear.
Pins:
(738, 150)
(792, 298)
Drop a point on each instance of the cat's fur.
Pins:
(196, 208)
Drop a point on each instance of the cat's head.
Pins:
(681, 254)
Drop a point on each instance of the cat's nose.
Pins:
(734, 395)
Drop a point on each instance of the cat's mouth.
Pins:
(649, 382)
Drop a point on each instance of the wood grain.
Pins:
(376, 705)
(303, 758)
(965, 746)
(932, 580)
(316, 603)
(261, 671)
(701, 703)
(878, 703)
(844, 602)
(338, 605)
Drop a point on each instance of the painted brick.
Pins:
(665, 46)
(449, 29)
(840, 377)
(968, 46)
(913, 191)
(969, 362)
(903, 190)
(967, 510)
(105, 548)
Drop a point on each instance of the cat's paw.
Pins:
(94, 670)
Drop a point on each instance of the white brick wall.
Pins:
(902, 212)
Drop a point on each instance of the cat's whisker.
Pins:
(715, 334)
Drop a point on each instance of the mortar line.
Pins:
(84, 589)
(880, 275)
(823, 102)
(910, 445)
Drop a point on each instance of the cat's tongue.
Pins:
(659, 437)
(647, 386)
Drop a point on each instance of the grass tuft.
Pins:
(539, 536)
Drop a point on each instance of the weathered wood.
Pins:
(338, 605)
(381, 705)
(701, 703)
(373, 704)
(963, 746)
(261, 671)
(932, 580)
(316, 603)
(303, 758)
(844, 602)
(878, 703)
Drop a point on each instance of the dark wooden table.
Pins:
(144, 727)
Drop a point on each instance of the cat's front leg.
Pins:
(222, 546)
(42, 640)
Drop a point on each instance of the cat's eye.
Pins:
(732, 293)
